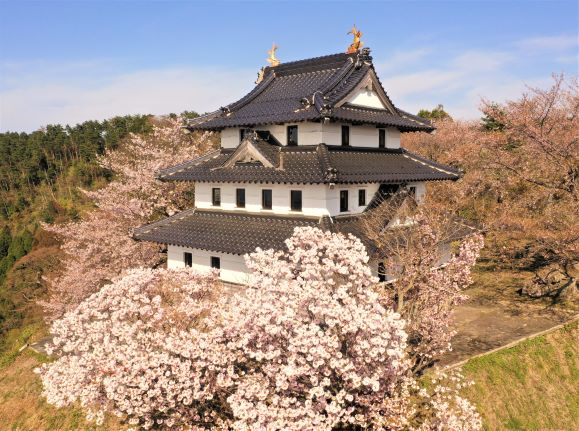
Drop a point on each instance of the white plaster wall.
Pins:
(309, 133)
(333, 201)
(366, 97)
(420, 190)
(233, 268)
(230, 137)
(360, 136)
(313, 133)
(317, 199)
(392, 137)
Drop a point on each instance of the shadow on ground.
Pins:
(496, 314)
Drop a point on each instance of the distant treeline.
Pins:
(40, 176)
(30, 159)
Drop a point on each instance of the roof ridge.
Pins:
(256, 91)
(252, 214)
(182, 166)
(329, 173)
(296, 64)
(432, 164)
(163, 222)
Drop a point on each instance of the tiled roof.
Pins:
(241, 232)
(225, 232)
(316, 164)
(311, 90)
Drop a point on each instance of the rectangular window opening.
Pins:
(242, 133)
(266, 199)
(381, 138)
(215, 262)
(296, 200)
(343, 200)
(240, 198)
(346, 136)
(292, 135)
(216, 197)
(188, 259)
(361, 197)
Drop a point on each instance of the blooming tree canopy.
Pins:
(521, 178)
(308, 346)
(99, 247)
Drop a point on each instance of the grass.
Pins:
(531, 386)
(22, 407)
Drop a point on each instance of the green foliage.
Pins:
(40, 176)
(491, 124)
(18, 246)
(28, 159)
(5, 240)
(436, 114)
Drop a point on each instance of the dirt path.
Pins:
(496, 315)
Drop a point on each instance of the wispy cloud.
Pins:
(45, 97)
(453, 83)
(33, 94)
(559, 42)
(460, 79)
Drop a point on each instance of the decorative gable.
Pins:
(368, 94)
(250, 153)
(366, 97)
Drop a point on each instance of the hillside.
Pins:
(531, 386)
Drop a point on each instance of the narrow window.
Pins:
(292, 135)
(266, 201)
(242, 133)
(412, 192)
(188, 259)
(296, 200)
(343, 200)
(346, 136)
(361, 197)
(216, 197)
(381, 272)
(240, 198)
(381, 138)
(215, 262)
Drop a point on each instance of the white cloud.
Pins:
(39, 93)
(402, 59)
(560, 42)
(460, 80)
(77, 93)
(453, 83)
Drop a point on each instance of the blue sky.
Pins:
(70, 61)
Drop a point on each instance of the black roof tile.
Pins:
(308, 90)
(225, 232)
(241, 233)
(316, 164)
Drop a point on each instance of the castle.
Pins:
(313, 144)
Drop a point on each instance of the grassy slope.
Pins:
(531, 386)
(23, 408)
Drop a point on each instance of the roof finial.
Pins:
(357, 43)
(272, 60)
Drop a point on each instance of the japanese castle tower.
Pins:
(313, 144)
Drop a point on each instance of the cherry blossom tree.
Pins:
(520, 181)
(428, 256)
(99, 247)
(309, 346)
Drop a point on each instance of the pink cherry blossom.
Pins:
(309, 345)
